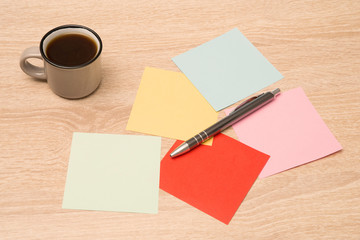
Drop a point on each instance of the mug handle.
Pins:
(30, 69)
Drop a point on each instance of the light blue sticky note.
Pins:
(227, 69)
(111, 172)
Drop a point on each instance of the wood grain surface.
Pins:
(314, 44)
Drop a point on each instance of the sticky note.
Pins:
(290, 130)
(168, 105)
(227, 69)
(213, 179)
(111, 172)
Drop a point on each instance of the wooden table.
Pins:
(314, 44)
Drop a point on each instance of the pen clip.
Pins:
(247, 101)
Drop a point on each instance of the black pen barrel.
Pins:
(239, 113)
(243, 111)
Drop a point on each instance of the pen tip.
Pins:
(183, 148)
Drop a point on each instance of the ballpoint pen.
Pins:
(241, 111)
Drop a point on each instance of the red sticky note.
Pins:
(214, 179)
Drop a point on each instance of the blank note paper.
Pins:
(290, 130)
(168, 105)
(213, 179)
(227, 69)
(113, 173)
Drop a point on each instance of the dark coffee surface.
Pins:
(71, 50)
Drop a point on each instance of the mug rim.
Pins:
(64, 27)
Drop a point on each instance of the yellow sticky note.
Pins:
(168, 105)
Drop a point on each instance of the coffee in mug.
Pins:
(71, 55)
(71, 50)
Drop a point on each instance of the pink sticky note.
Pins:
(290, 130)
(213, 179)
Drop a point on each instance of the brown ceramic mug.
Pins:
(71, 56)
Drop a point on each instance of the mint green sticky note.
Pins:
(227, 69)
(111, 172)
